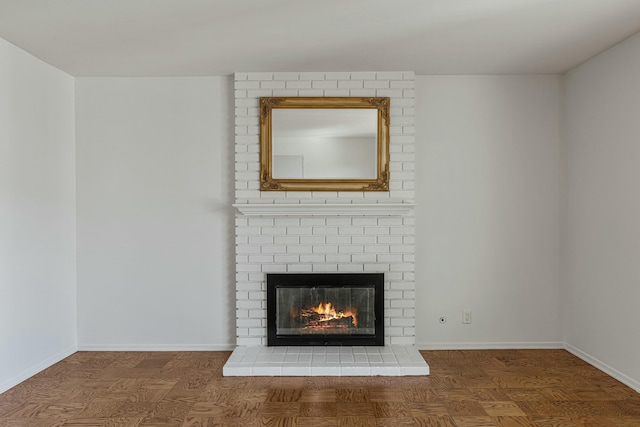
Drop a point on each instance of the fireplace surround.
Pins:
(325, 232)
(325, 309)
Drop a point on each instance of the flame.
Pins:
(330, 313)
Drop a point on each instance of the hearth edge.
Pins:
(390, 360)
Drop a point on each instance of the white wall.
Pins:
(37, 216)
(603, 210)
(489, 196)
(155, 225)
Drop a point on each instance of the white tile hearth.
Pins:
(390, 360)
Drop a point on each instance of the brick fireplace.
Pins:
(360, 231)
(325, 232)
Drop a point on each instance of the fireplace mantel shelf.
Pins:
(321, 209)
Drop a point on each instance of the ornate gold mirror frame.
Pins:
(378, 183)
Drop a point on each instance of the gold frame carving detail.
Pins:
(268, 183)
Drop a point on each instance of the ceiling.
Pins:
(220, 37)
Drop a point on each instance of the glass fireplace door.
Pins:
(325, 309)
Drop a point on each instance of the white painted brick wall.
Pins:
(325, 244)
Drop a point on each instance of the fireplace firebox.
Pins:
(325, 309)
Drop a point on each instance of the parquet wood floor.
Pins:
(506, 388)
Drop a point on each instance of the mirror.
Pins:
(324, 144)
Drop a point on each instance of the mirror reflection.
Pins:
(324, 143)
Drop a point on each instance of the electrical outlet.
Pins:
(466, 316)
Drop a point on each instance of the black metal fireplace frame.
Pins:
(327, 280)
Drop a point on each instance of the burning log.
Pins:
(326, 316)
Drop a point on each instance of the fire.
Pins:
(328, 312)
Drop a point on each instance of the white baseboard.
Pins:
(156, 347)
(634, 384)
(38, 367)
(489, 345)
